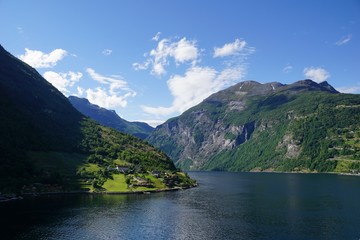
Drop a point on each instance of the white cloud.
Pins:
(80, 91)
(181, 51)
(316, 74)
(197, 84)
(343, 40)
(105, 80)
(141, 66)
(103, 98)
(156, 37)
(287, 69)
(151, 122)
(229, 48)
(184, 50)
(106, 52)
(63, 80)
(354, 89)
(38, 59)
(113, 94)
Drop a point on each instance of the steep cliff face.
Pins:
(199, 133)
(252, 126)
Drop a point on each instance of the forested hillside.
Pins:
(47, 145)
(304, 126)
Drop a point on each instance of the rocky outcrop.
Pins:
(291, 146)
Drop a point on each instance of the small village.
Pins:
(138, 177)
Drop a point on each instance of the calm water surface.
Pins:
(224, 206)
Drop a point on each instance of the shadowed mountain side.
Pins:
(109, 118)
(47, 145)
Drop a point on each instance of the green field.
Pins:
(117, 184)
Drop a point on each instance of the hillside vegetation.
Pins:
(304, 126)
(47, 145)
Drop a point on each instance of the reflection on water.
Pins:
(224, 206)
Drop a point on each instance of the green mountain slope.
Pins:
(47, 145)
(109, 118)
(303, 126)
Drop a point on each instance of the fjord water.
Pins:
(224, 206)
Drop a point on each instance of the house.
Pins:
(156, 173)
(120, 169)
(123, 169)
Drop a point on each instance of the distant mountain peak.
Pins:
(245, 126)
(110, 118)
(84, 100)
(254, 88)
(309, 84)
(326, 85)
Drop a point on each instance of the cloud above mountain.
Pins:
(229, 48)
(113, 91)
(63, 80)
(195, 85)
(39, 59)
(196, 82)
(317, 74)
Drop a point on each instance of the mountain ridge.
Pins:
(252, 126)
(110, 118)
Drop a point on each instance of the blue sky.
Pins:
(152, 60)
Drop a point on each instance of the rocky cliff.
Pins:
(254, 126)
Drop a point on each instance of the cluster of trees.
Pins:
(326, 134)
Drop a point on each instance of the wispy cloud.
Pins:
(106, 80)
(316, 74)
(113, 93)
(229, 48)
(287, 69)
(20, 30)
(63, 80)
(343, 40)
(106, 52)
(39, 59)
(156, 37)
(181, 51)
(353, 89)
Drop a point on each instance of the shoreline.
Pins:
(333, 173)
(13, 197)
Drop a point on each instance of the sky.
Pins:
(152, 60)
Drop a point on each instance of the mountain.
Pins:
(304, 126)
(47, 145)
(109, 118)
